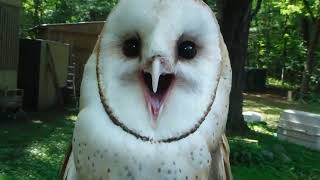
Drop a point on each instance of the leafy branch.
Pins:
(256, 9)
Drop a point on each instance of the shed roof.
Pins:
(71, 24)
(89, 28)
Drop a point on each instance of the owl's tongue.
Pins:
(156, 100)
(155, 104)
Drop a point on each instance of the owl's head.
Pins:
(159, 65)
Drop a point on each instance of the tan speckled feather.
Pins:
(221, 169)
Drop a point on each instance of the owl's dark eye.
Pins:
(132, 47)
(187, 50)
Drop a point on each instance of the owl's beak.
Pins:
(157, 83)
(156, 72)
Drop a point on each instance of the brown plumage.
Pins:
(221, 169)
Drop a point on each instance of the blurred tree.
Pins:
(235, 18)
(311, 33)
(283, 39)
(275, 42)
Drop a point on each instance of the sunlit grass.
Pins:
(261, 129)
(271, 107)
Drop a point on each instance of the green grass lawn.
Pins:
(35, 149)
(260, 155)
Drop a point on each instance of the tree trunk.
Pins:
(310, 62)
(284, 50)
(234, 20)
(311, 37)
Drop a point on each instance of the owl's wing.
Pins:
(226, 156)
(68, 171)
(221, 169)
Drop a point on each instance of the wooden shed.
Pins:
(43, 72)
(81, 36)
(9, 43)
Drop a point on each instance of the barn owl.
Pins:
(154, 96)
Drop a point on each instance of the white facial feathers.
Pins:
(164, 91)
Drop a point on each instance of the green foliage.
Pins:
(312, 98)
(273, 45)
(247, 152)
(36, 12)
(281, 84)
(277, 43)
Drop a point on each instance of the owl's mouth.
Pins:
(155, 100)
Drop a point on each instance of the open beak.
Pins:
(157, 85)
(156, 72)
